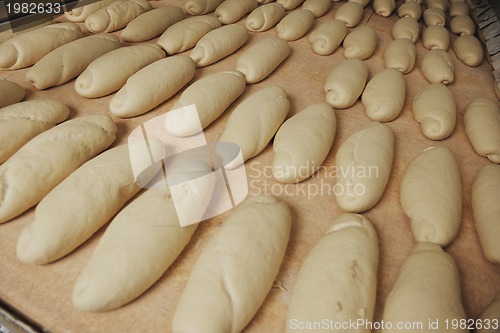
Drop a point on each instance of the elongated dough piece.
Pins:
(410, 9)
(360, 43)
(462, 24)
(431, 196)
(223, 292)
(218, 44)
(406, 27)
(338, 279)
(295, 25)
(436, 37)
(48, 158)
(317, 7)
(151, 24)
(363, 3)
(400, 54)
(265, 17)
(200, 7)
(438, 67)
(482, 126)
(262, 58)
(428, 280)
(303, 142)
(384, 7)
(468, 49)
(254, 121)
(80, 14)
(21, 122)
(459, 8)
(70, 60)
(231, 11)
(10, 93)
(152, 85)
(350, 13)
(116, 16)
(290, 4)
(25, 49)
(441, 4)
(211, 95)
(384, 95)
(345, 83)
(110, 72)
(434, 16)
(365, 160)
(327, 37)
(491, 313)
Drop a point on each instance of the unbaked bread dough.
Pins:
(200, 7)
(290, 4)
(295, 25)
(116, 16)
(363, 3)
(345, 83)
(360, 43)
(265, 17)
(303, 142)
(400, 54)
(406, 27)
(459, 8)
(327, 37)
(441, 4)
(384, 7)
(462, 24)
(434, 16)
(410, 9)
(231, 11)
(491, 312)
(317, 7)
(10, 93)
(350, 13)
(431, 196)
(438, 67)
(80, 14)
(436, 37)
(468, 49)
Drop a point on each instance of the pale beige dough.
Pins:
(231, 11)
(116, 16)
(469, 50)
(295, 25)
(265, 17)
(224, 292)
(303, 142)
(317, 7)
(384, 7)
(262, 58)
(406, 27)
(327, 37)
(27, 48)
(338, 279)
(384, 95)
(438, 67)
(364, 162)
(263, 2)
(436, 37)
(441, 4)
(360, 43)
(418, 1)
(70, 60)
(110, 72)
(10, 93)
(350, 13)
(152, 85)
(184, 35)
(492, 312)
(431, 196)
(200, 7)
(427, 289)
(400, 54)
(345, 83)
(410, 9)
(21, 122)
(462, 24)
(290, 4)
(482, 126)
(47, 159)
(459, 8)
(80, 14)
(363, 3)
(434, 16)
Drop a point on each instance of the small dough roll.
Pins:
(21, 122)
(47, 159)
(110, 72)
(151, 24)
(371, 149)
(345, 83)
(70, 60)
(26, 49)
(116, 16)
(262, 58)
(384, 7)
(338, 279)
(211, 95)
(254, 121)
(462, 25)
(406, 27)
(317, 7)
(350, 13)
(360, 43)
(459, 8)
(295, 25)
(436, 37)
(152, 85)
(434, 16)
(290, 4)
(10, 93)
(327, 37)
(410, 9)
(431, 196)
(224, 292)
(441, 4)
(303, 142)
(400, 54)
(184, 34)
(438, 67)
(427, 289)
(384, 95)
(468, 49)
(482, 126)
(363, 3)
(231, 11)
(200, 7)
(265, 17)
(218, 44)
(80, 14)
(492, 312)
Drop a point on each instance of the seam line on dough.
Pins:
(225, 288)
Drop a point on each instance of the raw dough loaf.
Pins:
(290, 4)
(80, 14)
(384, 95)
(254, 121)
(419, 1)
(303, 142)
(262, 58)
(462, 24)
(441, 4)
(200, 7)
(295, 25)
(364, 162)
(116, 16)
(10, 93)
(469, 50)
(327, 37)
(263, 2)
(434, 16)
(431, 196)
(427, 289)
(436, 37)
(184, 35)
(400, 54)
(25, 49)
(482, 126)
(151, 24)
(491, 312)
(317, 7)
(406, 27)
(437, 67)
(152, 85)
(70, 60)
(110, 72)
(345, 83)
(459, 8)
(384, 7)
(363, 3)
(224, 292)
(360, 43)
(410, 9)
(338, 279)
(218, 44)
(350, 13)
(231, 11)
(265, 17)
(21, 122)
(211, 95)
(47, 159)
